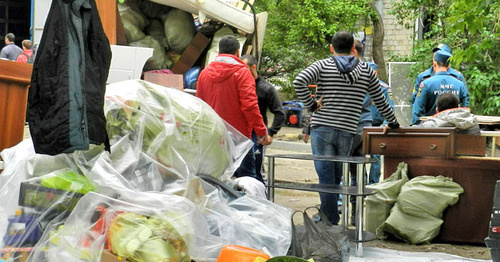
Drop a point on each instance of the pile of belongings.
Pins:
(143, 201)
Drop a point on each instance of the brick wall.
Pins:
(397, 39)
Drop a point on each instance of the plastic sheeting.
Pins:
(161, 138)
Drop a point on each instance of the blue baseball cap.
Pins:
(442, 56)
(443, 47)
(373, 66)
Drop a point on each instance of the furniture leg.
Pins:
(270, 178)
(345, 198)
(359, 211)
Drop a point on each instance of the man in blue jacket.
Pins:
(378, 120)
(442, 82)
(430, 72)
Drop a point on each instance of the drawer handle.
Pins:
(382, 146)
(433, 147)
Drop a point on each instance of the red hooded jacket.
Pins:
(228, 87)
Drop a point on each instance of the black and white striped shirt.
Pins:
(342, 93)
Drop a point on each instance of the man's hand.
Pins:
(390, 126)
(320, 104)
(305, 138)
(266, 140)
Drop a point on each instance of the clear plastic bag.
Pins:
(135, 177)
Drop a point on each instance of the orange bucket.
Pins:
(235, 253)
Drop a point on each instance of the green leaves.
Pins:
(299, 31)
(471, 29)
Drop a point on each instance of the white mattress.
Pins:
(219, 10)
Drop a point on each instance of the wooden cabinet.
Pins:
(14, 80)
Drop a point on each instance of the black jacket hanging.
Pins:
(68, 83)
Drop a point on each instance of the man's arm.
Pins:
(464, 93)
(420, 104)
(3, 53)
(415, 88)
(275, 106)
(307, 77)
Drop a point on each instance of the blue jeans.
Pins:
(247, 167)
(330, 141)
(375, 170)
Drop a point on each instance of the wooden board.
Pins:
(14, 80)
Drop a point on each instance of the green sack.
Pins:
(416, 217)
(379, 205)
(410, 228)
(179, 29)
(429, 194)
(131, 12)
(156, 30)
(67, 180)
(159, 60)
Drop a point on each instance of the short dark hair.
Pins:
(342, 42)
(447, 101)
(250, 59)
(228, 45)
(11, 37)
(27, 44)
(359, 47)
(443, 64)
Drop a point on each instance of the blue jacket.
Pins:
(366, 115)
(377, 117)
(430, 89)
(427, 74)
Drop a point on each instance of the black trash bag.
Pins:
(321, 241)
(154, 10)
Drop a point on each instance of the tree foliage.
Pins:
(299, 31)
(471, 29)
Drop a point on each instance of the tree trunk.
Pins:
(378, 40)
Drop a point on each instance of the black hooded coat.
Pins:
(66, 97)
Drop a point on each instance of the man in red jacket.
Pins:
(228, 87)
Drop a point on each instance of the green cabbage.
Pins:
(140, 238)
(175, 128)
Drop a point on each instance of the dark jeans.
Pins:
(247, 167)
(330, 141)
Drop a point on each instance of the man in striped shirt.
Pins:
(342, 82)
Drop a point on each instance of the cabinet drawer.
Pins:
(433, 146)
(410, 142)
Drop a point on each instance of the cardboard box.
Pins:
(168, 80)
(107, 256)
